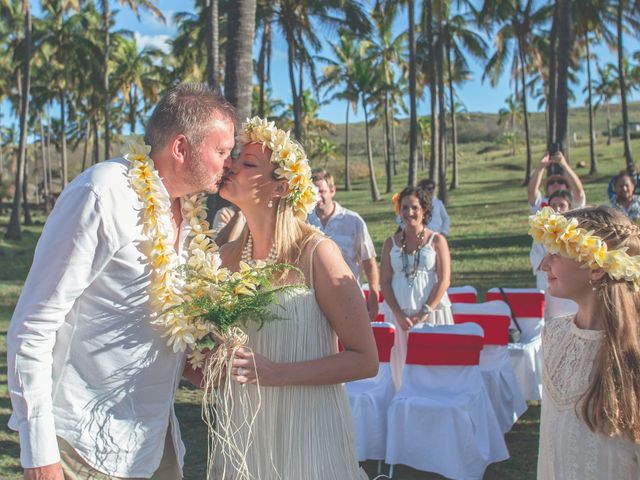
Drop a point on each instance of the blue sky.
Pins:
(477, 96)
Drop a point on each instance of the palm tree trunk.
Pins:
(49, 162)
(14, 231)
(413, 114)
(454, 133)
(592, 148)
(106, 17)
(623, 91)
(63, 140)
(525, 113)
(297, 126)
(551, 94)
(265, 46)
(132, 109)
(433, 92)
(563, 53)
(347, 175)
(394, 143)
(96, 141)
(375, 194)
(442, 154)
(608, 123)
(25, 192)
(43, 156)
(238, 79)
(85, 149)
(213, 51)
(387, 136)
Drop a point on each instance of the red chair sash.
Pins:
(467, 297)
(443, 349)
(495, 327)
(522, 304)
(384, 341)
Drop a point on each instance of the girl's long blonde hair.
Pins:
(611, 404)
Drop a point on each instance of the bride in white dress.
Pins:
(415, 274)
(303, 428)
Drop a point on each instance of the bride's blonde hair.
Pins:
(611, 404)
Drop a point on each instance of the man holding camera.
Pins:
(566, 179)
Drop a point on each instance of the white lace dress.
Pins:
(568, 449)
(411, 297)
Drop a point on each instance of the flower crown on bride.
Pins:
(558, 234)
(293, 164)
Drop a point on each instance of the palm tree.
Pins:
(238, 76)
(366, 80)
(264, 19)
(623, 87)
(388, 50)
(298, 21)
(456, 36)
(517, 21)
(14, 231)
(213, 45)
(135, 75)
(606, 89)
(338, 76)
(509, 115)
(413, 108)
(106, 25)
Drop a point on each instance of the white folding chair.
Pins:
(441, 420)
(464, 294)
(495, 362)
(527, 305)
(370, 399)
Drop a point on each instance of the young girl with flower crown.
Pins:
(590, 424)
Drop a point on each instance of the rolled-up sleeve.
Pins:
(365, 244)
(76, 243)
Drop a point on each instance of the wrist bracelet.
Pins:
(426, 309)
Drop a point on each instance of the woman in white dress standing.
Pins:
(294, 368)
(415, 274)
(590, 422)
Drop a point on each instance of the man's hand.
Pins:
(48, 472)
(545, 161)
(559, 159)
(372, 305)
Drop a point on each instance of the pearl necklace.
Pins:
(247, 252)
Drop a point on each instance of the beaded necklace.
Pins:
(247, 252)
(411, 274)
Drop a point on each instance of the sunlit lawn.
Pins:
(489, 247)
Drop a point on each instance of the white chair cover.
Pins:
(526, 355)
(370, 399)
(441, 419)
(495, 364)
(463, 294)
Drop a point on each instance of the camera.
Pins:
(554, 168)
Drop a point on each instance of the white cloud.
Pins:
(156, 41)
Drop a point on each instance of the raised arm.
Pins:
(341, 301)
(536, 179)
(575, 185)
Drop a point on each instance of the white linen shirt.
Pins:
(439, 218)
(84, 361)
(348, 230)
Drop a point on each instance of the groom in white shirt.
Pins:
(92, 381)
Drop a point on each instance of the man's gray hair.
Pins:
(187, 109)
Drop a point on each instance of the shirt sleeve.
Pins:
(75, 245)
(536, 205)
(367, 250)
(445, 219)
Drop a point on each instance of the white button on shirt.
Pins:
(84, 361)
(350, 233)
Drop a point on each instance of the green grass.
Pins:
(489, 247)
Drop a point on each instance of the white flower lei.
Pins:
(168, 288)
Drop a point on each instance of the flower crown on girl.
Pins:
(558, 234)
(293, 164)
